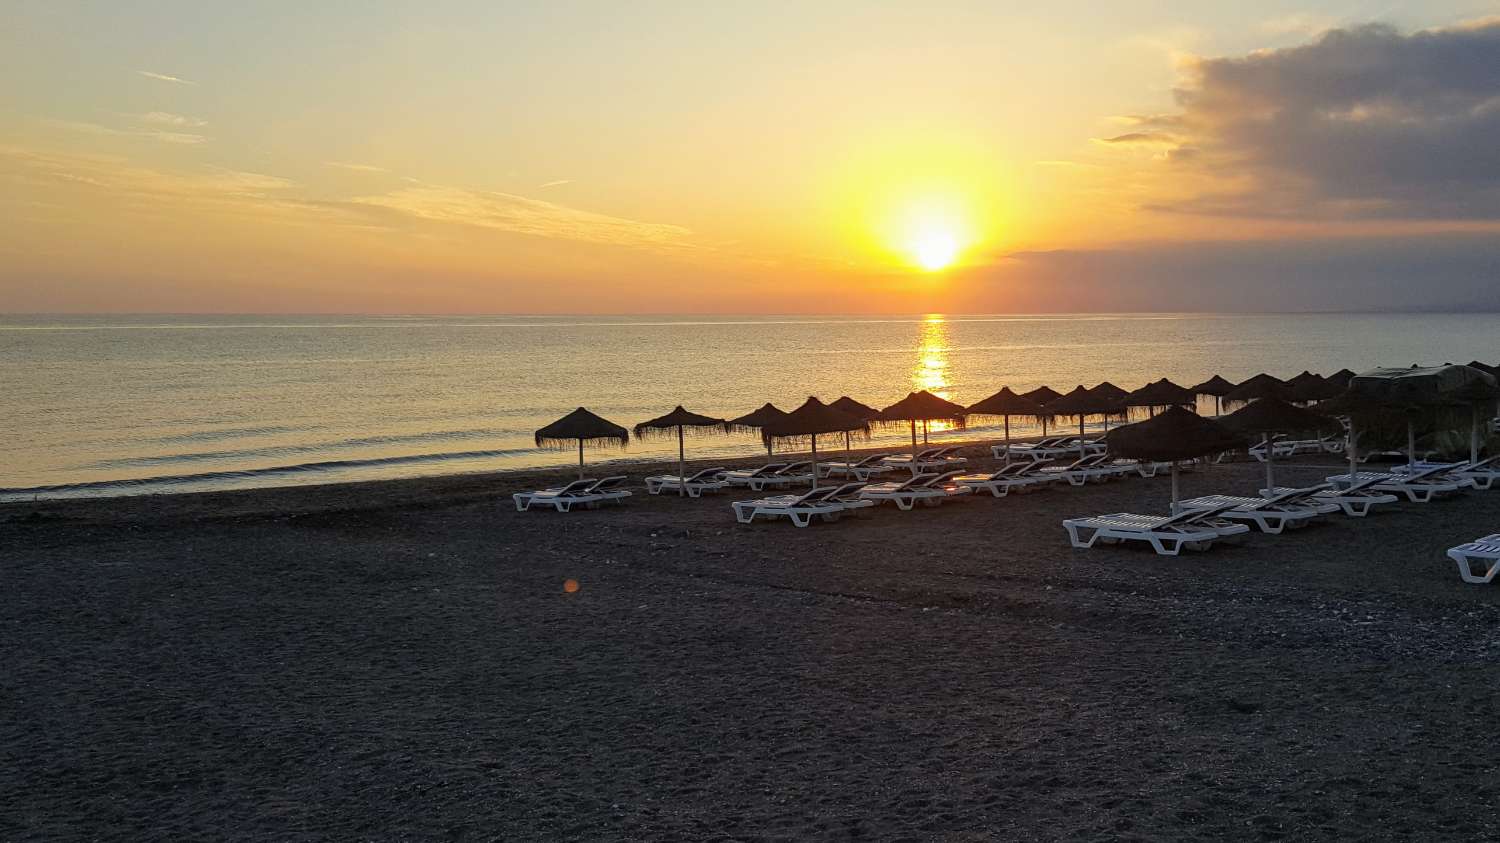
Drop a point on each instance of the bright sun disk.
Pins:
(934, 250)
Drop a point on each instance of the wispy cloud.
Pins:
(361, 168)
(165, 118)
(520, 215)
(162, 77)
(558, 183)
(153, 134)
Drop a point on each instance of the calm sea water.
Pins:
(129, 404)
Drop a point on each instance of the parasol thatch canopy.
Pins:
(1425, 386)
(1162, 393)
(1084, 402)
(585, 428)
(1216, 386)
(679, 419)
(757, 419)
(1260, 386)
(845, 404)
(1305, 377)
(1484, 367)
(1109, 392)
(1006, 403)
(1315, 388)
(1341, 378)
(1042, 394)
(1176, 434)
(1273, 415)
(923, 406)
(582, 426)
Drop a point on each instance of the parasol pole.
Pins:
(1473, 433)
(580, 458)
(1174, 487)
(1349, 446)
(1080, 435)
(1411, 443)
(848, 458)
(1007, 439)
(924, 432)
(681, 464)
(914, 445)
(815, 460)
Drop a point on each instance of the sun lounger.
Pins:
(774, 475)
(928, 460)
(1419, 486)
(928, 489)
(707, 480)
(1196, 529)
(1019, 477)
(827, 503)
(1024, 449)
(1481, 474)
(859, 470)
(1486, 550)
(584, 493)
(1053, 448)
(1356, 501)
(1292, 508)
(1085, 469)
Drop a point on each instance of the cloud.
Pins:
(162, 77)
(558, 183)
(520, 215)
(1364, 122)
(361, 168)
(164, 118)
(153, 134)
(118, 177)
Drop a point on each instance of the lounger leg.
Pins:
(1161, 546)
(801, 519)
(1081, 536)
(1270, 524)
(520, 506)
(1466, 570)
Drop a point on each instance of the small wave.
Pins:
(227, 433)
(177, 480)
(310, 448)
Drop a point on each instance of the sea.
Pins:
(112, 405)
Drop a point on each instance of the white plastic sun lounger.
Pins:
(1196, 529)
(775, 475)
(695, 485)
(1356, 501)
(1018, 477)
(827, 503)
(928, 460)
(1481, 475)
(1418, 487)
(1084, 470)
(1486, 550)
(585, 493)
(860, 469)
(1290, 509)
(927, 489)
(1025, 449)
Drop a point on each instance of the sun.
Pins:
(933, 249)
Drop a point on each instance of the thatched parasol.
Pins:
(1216, 386)
(922, 406)
(1176, 434)
(809, 420)
(678, 421)
(845, 404)
(583, 427)
(1273, 415)
(1256, 388)
(1315, 388)
(1340, 378)
(1435, 390)
(1042, 395)
(1082, 402)
(1006, 404)
(758, 419)
(1109, 392)
(1162, 393)
(1484, 367)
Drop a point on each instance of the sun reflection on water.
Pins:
(930, 372)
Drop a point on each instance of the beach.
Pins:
(400, 660)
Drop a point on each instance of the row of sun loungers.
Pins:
(1050, 448)
(581, 493)
(1284, 447)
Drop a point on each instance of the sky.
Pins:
(458, 156)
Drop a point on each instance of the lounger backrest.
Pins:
(939, 479)
(1086, 462)
(1366, 483)
(706, 474)
(768, 469)
(925, 454)
(1292, 495)
(1190, 516)
(792, 468)
(870, 460)
(943, 452)
(1428, 473)
(916, 481)
(608, 483)
(821, 493)
(577, 486)
(1014, 469)
(847, 490)
(1485, 464)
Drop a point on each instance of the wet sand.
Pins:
(400, 660)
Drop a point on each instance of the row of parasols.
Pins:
(1272, 408)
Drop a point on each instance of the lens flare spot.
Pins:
(570, 586)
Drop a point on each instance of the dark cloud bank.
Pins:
(1364, 123)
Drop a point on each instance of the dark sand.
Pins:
(399, 660)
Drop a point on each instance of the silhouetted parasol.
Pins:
(1159, 394)
(1273, 415)
(809, 420)
(678, 421)
(1256, 388)
(1109, 392)
(1175, 435)
(1082, 402)
(758, 419)
(845, 404)
(1341, 378)
(1042, 395)
(1005, 404)
(583, 427)
(1315, 388)
(924, 407)
(1216, 386)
